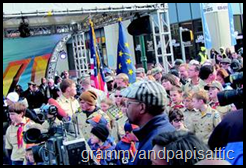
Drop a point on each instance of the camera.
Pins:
(233, 96)
(237, 78)
(59, 146)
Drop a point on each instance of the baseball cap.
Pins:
(226, 60)
(178, 62)
(109, 79)
(98, 119)
(13, 96)
(140, 70)
(31, 83)
(156, 70)
(215, 84)
(194, 62)
(146, 91)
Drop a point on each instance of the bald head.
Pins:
(51, 82)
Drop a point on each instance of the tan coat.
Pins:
(70, 105)
(18, 154)
(189, 116)
(190, 88)
(84, 126)
(204, 124)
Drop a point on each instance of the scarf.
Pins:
(20, 134)
(214, 105)
(131, 139)
(99, 151)
(176, 106)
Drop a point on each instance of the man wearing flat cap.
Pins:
(145, 108)
(225, 64)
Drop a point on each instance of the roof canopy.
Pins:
(41, 14)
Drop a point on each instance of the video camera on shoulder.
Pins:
(60, 146)
(233, 96)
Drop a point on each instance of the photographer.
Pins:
(51, 121)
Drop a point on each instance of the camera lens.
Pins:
(53, 110)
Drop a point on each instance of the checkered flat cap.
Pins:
(146, 91)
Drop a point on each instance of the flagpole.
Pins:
(143, 53)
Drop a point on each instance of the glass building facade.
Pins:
(188, 15)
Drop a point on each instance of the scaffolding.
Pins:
(79, 53)
(162, 38)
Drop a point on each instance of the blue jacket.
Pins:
(108, 146)
(147, 133)
(233, 153)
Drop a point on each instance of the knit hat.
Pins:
(98, 119)
(13, 96)
(101, 131)
(90, 97)
(146, 91)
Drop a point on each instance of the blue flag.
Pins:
(232, 28)
(124, 58)
(207, 36)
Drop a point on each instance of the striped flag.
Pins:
(97, 76)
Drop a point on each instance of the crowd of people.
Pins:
(177, 110)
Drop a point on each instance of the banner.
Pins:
(214, 7)
(206, 32)
(232, 28)
(26, 59)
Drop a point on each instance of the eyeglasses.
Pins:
(178, 120)
(131, 102)
(117, 96)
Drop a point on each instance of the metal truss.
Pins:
(162, 38)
